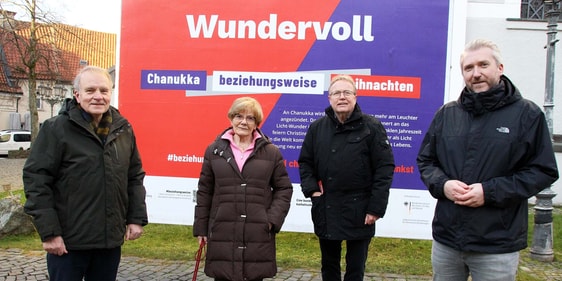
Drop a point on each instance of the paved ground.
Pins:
(10, 172)
(16, 264)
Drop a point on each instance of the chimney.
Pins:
(5, 18)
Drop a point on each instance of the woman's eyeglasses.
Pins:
(249, 118)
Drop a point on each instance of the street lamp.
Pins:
(542, 247)
(52, 95)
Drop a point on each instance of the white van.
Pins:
(14, 140)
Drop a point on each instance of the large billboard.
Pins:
(182, 63)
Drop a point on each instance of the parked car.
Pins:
(14, 140)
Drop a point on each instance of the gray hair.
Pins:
(91, 68)
(482, 43)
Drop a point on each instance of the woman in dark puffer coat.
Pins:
(243, 197)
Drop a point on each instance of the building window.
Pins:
(535, 9)
(39, 102)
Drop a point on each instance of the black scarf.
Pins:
(498, 96)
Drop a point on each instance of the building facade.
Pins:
(62, 51)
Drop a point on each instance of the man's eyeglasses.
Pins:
(249, 119)
(345, 93)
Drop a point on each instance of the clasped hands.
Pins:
(464, 194)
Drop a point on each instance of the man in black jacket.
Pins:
(346, 167)
(482, 158)
(84, 183)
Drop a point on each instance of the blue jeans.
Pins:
(452, 265)
(88, 265)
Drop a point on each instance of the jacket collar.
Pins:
(503, 94)
(355, 115)
(261, 141)
(71, 108)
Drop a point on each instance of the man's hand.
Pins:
(316, 194)
(454, 189)
(370, 219)
(473, 198)
(134, 231)
(55, 246)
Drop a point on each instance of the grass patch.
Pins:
(399, 256)
(294, 250)
(17, 194)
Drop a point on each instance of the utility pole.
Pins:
(542, 247)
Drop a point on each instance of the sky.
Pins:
(99, 15)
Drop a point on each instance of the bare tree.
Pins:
(28, 54)
(37, 59)
(48, 51)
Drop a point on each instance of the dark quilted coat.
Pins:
(234, 208)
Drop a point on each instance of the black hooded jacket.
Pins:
(498, 139)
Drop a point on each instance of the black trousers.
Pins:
(355, 258)
(229, 280)
(216, 279)
(88, 265)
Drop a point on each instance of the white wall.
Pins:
(494, 8)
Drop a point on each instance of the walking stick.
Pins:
(198, 259)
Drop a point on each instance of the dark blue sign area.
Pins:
(174, 80)
(409, 40)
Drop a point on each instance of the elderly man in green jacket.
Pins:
(84, 183)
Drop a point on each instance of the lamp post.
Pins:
(52, 95)
(542, 247)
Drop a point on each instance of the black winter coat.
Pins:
(496, 138)
(234, 208)
(81, 188)
(355, 164)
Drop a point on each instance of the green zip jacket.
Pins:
(83, 189)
